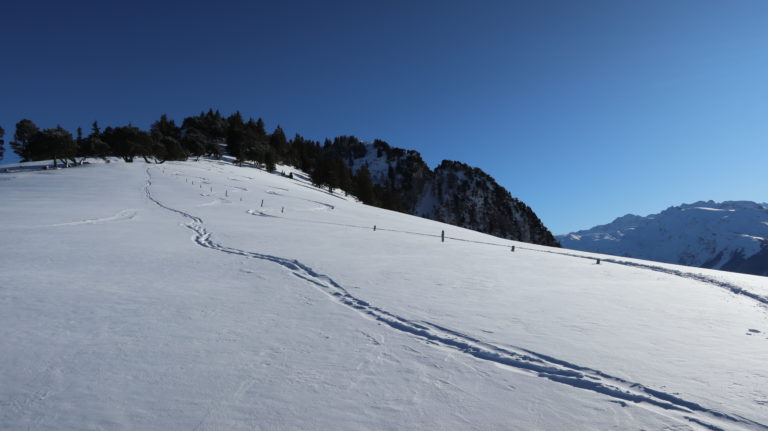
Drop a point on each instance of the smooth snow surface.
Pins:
(164, 297)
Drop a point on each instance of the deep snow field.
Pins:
(166, 297)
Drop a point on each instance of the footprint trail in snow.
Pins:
(521, 360)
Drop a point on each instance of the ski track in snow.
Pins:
(218, 201)
(260, 213)
(519, 359)
(324, 205)
(676, 272)
(698, 277)
(126, 214)
(317, 189)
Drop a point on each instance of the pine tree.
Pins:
(277, 142)
(320, 174)
(269, 161)
(260, 129)
(56, 144)
(84, 147)
(2, 143)
(166, 149)
(391, 200)
(128, 142)
(165, 140)
(254, 143)
(25, 129)
(99, 147)
(165, 127)
(236, 136)
(342, 175)
(194, 142)
(364, 185)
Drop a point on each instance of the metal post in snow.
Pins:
(282, 209)
(442, 236)
(513, 248)
(226, 193)
(262, 202)
(598, 261)
(374, 228)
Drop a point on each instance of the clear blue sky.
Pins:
(585, 110)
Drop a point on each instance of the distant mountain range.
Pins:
(453, 192)
(731, 236)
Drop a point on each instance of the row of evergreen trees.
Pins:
(206, 135)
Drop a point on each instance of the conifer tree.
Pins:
(236, 136)
(128, 142)
(320, 174)
(84, 147)
(364, 185)
(56, 144)
(165, 127)
(269, 161)
(166, 149)
(25, 129)
(278, 142)
(2, 142)
(254, 145)
(391, 200)
(342, 175)
(194, 142)
(99, 147)
(260, 129)
(165, 140)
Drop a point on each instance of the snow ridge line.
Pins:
(676, 272)
(126, 214)
(698, 277)
(272, 192)
(522, 360)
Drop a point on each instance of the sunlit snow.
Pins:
(202, 295)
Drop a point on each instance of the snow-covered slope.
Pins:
(731, 235)
(168, 297)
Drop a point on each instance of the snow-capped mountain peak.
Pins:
(729, 235)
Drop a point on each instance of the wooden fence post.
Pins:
(442, 236)
(513, 248)
(262, 202)
(374, 228)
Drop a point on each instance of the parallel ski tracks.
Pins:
(522, 360)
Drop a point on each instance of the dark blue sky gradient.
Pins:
(584, 110)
